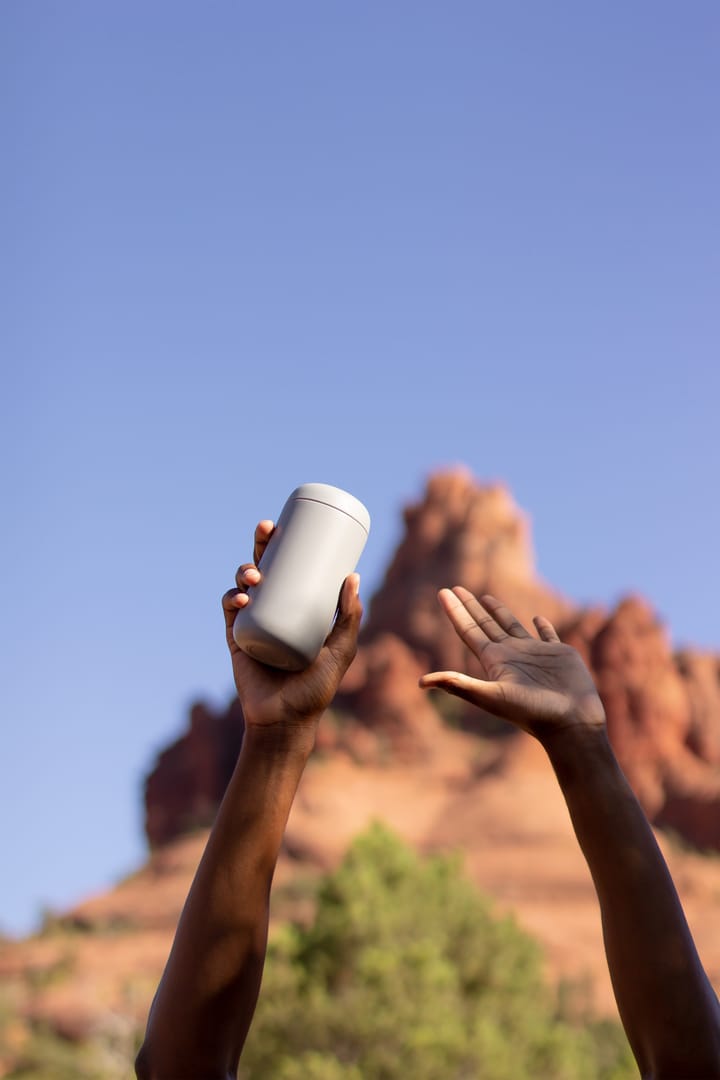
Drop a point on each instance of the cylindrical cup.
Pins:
(317, 542)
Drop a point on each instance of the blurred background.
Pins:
(249, 246)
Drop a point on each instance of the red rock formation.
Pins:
(381, 692)
(645, 698)
(692, 803)
(663, 715)
(184, 789)
(701, 674)
(461, 533)
(663, 711)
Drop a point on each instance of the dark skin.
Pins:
(667, 1005)
(207, 996)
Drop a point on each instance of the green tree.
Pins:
(405, 971)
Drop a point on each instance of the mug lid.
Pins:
(337, 498)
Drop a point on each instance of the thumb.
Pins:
(342, 640)
(486, 695)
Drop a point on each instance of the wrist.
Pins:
(578, 747)
(587, 770)
(280, 740)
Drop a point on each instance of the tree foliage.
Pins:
(405, 971)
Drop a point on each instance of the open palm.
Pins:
(538, 685)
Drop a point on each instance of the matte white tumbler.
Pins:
(317, 542)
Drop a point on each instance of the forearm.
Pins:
(667, 1005)
(207, 996)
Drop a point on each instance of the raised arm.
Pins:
(206, 999)
(667, 1005)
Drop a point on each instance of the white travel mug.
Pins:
(317, 542)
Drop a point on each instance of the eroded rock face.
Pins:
(185, 788)
(663, 710)
(460, 533)
(701, 674)
(663, 715)
(645, 698)
(380, 691)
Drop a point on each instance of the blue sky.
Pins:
(247, 246)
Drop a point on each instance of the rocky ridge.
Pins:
(442, 775)
(663, 709)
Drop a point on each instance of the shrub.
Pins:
(405, 971)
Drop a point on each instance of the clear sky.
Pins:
(246, 246)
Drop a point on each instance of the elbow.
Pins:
(154, 1063)
(699, 1063)
(699, 1056)
(148, 1066)
(699, 1069)
(142, 1064)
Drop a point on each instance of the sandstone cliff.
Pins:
(663, 709)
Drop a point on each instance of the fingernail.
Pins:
(356, 584)
(241, 599)
(252, 574)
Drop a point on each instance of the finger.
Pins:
(247, 575)
(504, 617)
(342, 640)
(464, 624)
(263, 531)
(483, 619)
(233, 600)
(486, 695)
(545, 629)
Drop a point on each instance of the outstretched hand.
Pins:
(538, 685)
(269, 696)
